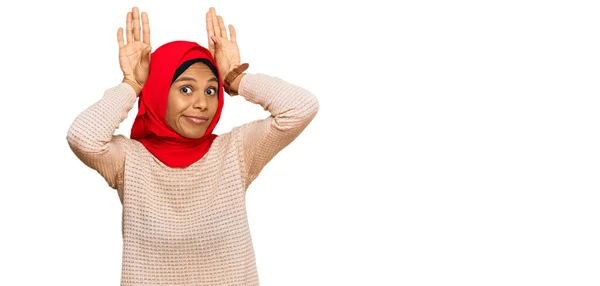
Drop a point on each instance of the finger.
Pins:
(215, 22)
(146, 28)
(209, 24)
(128, 28)
(136, 24)
(210, 32)
(232, 33)
(120, 38)
(222, 27)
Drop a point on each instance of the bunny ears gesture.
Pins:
(134, 55)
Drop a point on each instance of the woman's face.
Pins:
(193, 101)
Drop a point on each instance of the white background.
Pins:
(456, 144)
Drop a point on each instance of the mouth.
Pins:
(196, 119)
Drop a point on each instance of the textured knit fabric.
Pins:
(188, 226)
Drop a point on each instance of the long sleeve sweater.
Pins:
(188, 226)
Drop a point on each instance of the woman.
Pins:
(183, 188)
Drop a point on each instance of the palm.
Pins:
(227, 56)
(132, 62)
(225, 49)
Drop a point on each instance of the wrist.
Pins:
(232, 80)
(136, 86)
(235, 85)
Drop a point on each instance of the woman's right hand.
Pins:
(134, 57)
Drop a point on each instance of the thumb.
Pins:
(217, 41)
(146, 55)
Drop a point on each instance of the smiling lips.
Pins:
(196, 119)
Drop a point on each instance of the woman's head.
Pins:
(193, 99)
(183, 84)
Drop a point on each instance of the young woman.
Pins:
(181, 186)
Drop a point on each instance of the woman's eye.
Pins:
(211, 91)
(186, 90)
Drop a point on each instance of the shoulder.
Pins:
(224, 141)
(233, 138)
(230, 143)
(124, 142)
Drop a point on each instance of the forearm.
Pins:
(92, 130)
(290, 105)
(292, 109)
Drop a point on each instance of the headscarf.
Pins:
(150, 126)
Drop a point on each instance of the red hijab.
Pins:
(150, 126)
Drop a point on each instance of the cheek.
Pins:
(174, 107)
(214, 105)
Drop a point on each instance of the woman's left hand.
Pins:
(223, 48)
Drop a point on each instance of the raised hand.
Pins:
(134, 57)
(223, 48)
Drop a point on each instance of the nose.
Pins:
(200, 102)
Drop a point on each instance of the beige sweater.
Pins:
(188, 226)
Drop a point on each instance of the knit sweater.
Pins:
(188, 226)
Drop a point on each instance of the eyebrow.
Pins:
(185, 78)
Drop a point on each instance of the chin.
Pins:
(195, 135)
